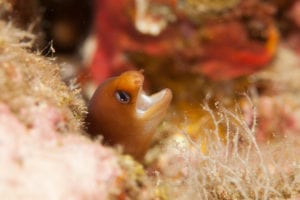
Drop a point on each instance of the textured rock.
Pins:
(43, 153)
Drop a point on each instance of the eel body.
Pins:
(124, 114)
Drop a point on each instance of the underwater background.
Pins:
(231, 130)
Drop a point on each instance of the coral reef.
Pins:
(24, 74)
(232, 132)
(39, 163)
(248, 151)
(232, 167)
(40, 117)
(277, 102)
(44, 151)
(238, 39)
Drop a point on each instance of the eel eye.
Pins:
(122, 96)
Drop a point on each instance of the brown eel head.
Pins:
(124, 114)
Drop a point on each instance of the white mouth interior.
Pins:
(145, 102)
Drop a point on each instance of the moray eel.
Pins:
(124, 114)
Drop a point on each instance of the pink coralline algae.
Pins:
(67, 166)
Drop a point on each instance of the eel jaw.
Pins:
(149, 106)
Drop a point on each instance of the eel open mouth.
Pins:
(146, 104)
